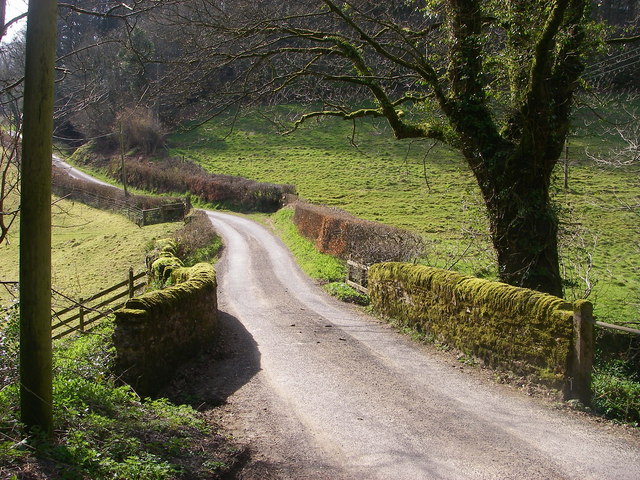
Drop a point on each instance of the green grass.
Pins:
(428, 190)
(316, 265)
(91, 249)
(346, 293)
(327, 270)
(617, 391)
(103, 430)
(432, 192)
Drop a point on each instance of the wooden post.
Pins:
(583, 347)
(566, 164)
(131, 292)
(36, 388)
(81, 315)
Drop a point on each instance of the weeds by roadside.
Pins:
(318, 266)
(103, 430)
(344, 292)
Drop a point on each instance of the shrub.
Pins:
(140, 128)
(197, 241)
(616, 391)
(177, 175)
(616, 375)
(343, 235)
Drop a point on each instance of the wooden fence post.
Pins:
(131, 292)
(582, 364)
(81, 316)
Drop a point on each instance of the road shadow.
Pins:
(210, 379)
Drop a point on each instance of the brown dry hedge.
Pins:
(177, 175)
(343, 235)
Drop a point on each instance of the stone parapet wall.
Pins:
(158, 331)
(528, 332)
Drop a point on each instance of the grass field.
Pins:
(91, 249)
(430, 190)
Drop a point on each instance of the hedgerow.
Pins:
(343, 235)
(177, 175)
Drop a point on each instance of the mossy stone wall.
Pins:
(156, 332)
(527, 332)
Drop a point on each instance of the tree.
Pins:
(35, 219)
(494, 79)
(11, 75)
(108, 67)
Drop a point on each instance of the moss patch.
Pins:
(525, 331)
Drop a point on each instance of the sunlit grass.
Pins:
(91, 249)
(431, 191)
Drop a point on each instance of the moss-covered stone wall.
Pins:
(527, 332)
(156, 332)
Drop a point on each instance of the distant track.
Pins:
(75, 173)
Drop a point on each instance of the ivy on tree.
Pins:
(494, 79)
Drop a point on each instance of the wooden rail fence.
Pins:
(82, 315)
(165, 213)
(357, 276)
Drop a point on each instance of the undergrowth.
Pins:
(616, 391)
(344, 292)
(103, 430)
(197, 241)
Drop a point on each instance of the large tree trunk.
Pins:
(524, 228)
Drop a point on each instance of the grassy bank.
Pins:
(429, 190)
(327, 270)
(91, 249)
(103, 430)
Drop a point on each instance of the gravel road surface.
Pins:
(325, 391)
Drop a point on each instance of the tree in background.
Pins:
(104, 56)
(11, 76)
(494, 79)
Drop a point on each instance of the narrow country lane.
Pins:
(329, 392)
(75, 173)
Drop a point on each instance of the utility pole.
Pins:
(36, 391)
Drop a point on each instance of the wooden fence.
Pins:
(165, 213)
(357, 274)
(82, 315)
